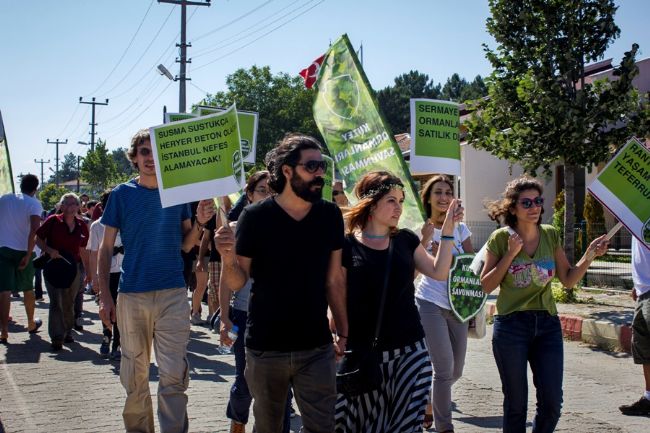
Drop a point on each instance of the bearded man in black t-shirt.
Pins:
(290, 245)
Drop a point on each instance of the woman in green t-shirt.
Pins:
(522, 258)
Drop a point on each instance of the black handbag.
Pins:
(359, 371)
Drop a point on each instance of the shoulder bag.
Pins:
(359, 371)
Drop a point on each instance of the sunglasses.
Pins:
(336, 192)
(313, 165)
(144, 151)
(527, 203)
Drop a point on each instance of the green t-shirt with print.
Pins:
(527, 284)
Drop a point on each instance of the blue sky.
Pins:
(55, 52)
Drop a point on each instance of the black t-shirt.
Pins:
(365, 276)
(287, 310)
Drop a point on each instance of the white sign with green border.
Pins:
(175, 117)
(623, 187)
(198, 158)
(248, 121)
(435, 137)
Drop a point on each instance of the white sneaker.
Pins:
(196, 319)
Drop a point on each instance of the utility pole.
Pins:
(182, 76)
(57, 142)
(42, 161)
(79, 158)
(92, 121)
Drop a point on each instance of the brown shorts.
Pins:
(641, 330)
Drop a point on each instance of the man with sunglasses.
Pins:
(290, 245)
(152, 302)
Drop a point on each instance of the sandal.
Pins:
(428, 421)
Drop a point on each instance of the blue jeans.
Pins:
(533, 337)
(240, 397)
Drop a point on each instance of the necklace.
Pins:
(369, 236)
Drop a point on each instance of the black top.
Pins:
(288, 304)
(365, 275)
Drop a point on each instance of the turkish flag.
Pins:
(311, 73)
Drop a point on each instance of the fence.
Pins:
(613, 270)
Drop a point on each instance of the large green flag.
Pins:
(356, 135)
(6, 178)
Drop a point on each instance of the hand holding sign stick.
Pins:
(602, 242)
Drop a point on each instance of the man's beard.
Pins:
(303, 189)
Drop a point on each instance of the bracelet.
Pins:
(342, 336)
(447, 238)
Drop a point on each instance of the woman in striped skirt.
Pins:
(398, 404)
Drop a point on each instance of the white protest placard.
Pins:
(623, 187)
(435, 137)
(198, 158)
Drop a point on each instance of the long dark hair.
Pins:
(499, 210)
(287, 152)
(425, 194)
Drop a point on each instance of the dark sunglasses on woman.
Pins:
(527, 203)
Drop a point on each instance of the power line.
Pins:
(125, 51)
(257, 39)
(92, 121)
(228, 24)
(143, 53)
(247, 29)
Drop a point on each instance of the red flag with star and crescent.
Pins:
(310, 74)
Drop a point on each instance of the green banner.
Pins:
(466, 294)
(623, 187)
(6, 177)
(198, 158)
(348, 117)
(248, 121)
(435, 137)
(328, 178)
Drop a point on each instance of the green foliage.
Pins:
(540, 109)
(98, 168)
(558, 212)
(594, 214)
(50, 195)
(122, 163)
(67, 169)
(563, 295)
(394, 100)
(282, 101)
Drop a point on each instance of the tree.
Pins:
(67, 169)
(50, 195)
(99, 168)
(282, 101)
(124, 166)
(540, 109)
(394, 100)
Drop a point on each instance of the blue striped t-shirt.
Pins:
(151, 235)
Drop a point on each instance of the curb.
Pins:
(604, 334)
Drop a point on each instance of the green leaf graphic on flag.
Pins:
(355, 133)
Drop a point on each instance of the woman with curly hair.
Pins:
(398, 404)
(522, 258)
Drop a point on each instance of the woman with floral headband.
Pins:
(398, 404)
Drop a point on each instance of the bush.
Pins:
(50, 195)
(594, 214)
(558, 213)
(562, 295)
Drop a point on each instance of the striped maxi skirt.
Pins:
(399, 404)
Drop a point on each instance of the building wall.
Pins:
(484, 177)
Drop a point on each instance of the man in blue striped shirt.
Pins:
(152, 300)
